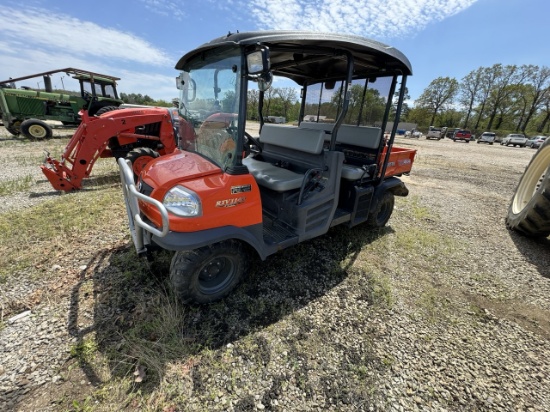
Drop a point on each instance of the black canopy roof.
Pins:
(306, 55)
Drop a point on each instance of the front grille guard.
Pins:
(136, 223)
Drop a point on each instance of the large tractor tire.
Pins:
(209, 273)
(139, 158)
(529, 211)
(36, 129)
(382, 211)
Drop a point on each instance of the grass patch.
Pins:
(38, 237)
(9, 187)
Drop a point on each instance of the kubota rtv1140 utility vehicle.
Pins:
(231, 194)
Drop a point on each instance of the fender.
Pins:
(394, 185)
(178, 241)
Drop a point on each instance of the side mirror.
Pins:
(264, 81)
(187, 85)
(180, 81)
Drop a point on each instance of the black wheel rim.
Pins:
(216, 274)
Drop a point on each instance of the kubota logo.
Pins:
(230, 202)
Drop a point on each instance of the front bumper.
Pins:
(140, 230)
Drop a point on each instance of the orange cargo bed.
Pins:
(400, 162)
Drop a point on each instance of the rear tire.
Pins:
(139, 158)
(382, 211)
(209, 273)
(529, 210)
(36, 129)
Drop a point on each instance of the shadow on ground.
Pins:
(535, 250)
(138, 322)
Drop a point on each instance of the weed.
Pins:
(84, 351)
(9, 187)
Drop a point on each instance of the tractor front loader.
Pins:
(139, 135)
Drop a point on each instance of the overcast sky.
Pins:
(140, 41)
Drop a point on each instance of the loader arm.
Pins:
(91, 141)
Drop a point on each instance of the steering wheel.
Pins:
(251, 144)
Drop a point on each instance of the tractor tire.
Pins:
(209, 273)
(529, 210)
(382, 211)
(36, 129)
(139, 158)
(105, 109)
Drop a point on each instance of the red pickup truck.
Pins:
(462, 134)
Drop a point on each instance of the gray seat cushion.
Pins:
(273, 177)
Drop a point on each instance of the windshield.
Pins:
(209, 101)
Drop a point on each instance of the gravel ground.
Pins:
(492, 352)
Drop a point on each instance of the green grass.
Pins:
(9, 187)
(34, 237)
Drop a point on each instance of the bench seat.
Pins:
(301, 149)
(273, 177)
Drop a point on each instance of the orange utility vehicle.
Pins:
(137, 134)
(231, 194)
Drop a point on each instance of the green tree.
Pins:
(288, 97)
(507, 76)
(470, 90)
(539, 80)
(439, 92)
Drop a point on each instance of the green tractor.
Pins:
(25, 110)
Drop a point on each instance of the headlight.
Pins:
(182, 202)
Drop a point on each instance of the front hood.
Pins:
(178, 167)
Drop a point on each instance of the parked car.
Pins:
(436, 133)
(514, 139)
(462, 134)
(535, 142)
(487, 137)
(413, 134)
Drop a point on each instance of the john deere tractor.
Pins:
(25, 110)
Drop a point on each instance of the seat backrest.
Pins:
(327, 127)
(362, 136)
(289, 137)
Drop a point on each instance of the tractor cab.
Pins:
(97, 87)
(241, 187)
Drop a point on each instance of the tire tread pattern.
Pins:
(534, 219)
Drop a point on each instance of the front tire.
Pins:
(36, 129)
(209, 273)
(139, 158)
(529, 210)
(381, 213)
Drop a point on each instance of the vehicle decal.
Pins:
(230, 202)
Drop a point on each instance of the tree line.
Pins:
(502, 98)
(138, 98)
